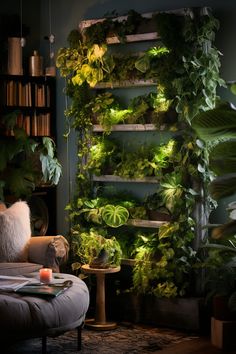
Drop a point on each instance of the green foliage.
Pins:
(98, 32)
(191, 69)
(186, 66)
(88, 245)
(218, 259)
(25, 162)
(101, 156)
(172, 190)
(154, 201)
(163, 262)
(115, 215)
(51, 168)
(217, 126)
(100, 211)
(143, 63)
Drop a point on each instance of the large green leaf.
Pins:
(20, 182)
(223, 186)
(215, 123)
(223, 158)
(115, 215)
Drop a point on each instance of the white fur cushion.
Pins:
(15, 232)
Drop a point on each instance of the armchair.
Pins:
(23, 316)
(21, 253)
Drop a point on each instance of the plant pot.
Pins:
(182, 313)
(159, 216)
(221, 309)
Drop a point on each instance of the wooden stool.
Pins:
(100, 322)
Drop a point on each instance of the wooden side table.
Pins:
(100, 322)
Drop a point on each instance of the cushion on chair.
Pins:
(15, 232)
(50, 251)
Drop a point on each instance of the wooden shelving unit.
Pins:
(33, 100)
(145, 33)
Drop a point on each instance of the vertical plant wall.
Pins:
(183, 69)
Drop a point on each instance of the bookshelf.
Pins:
(30, 103)
(32, 98)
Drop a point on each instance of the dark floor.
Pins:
(200, 345)
(126, 339)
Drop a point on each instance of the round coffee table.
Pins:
(100, 322)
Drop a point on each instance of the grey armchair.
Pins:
(42, 251)
(21, 253)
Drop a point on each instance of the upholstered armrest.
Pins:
(50, 251)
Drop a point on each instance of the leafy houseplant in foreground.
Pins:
(25, 162)
(217, 128)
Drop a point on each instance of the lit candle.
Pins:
(45, 275)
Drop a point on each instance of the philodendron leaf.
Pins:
(115, 215)
(143, 63)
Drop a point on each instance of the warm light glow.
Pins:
(45, 275)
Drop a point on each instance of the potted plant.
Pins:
(25, 162)
(90, 245)
(156, 208)
(220, 282)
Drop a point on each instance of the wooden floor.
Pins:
(200, 345)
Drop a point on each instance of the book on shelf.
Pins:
(11, 283)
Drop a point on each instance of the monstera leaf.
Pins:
(115, 215)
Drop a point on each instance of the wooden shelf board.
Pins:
(129, 127)
(128, 261)
(125, 84)
(113, 178)
(151, 36)
(146, 36)
(145, 223)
